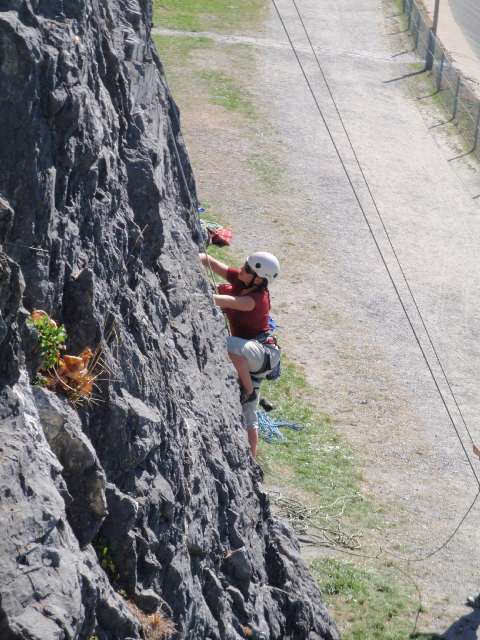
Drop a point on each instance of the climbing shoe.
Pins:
(473, 601)
(245, 397)
(265, 404)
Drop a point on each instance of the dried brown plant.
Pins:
(155, 625)
(73, 376)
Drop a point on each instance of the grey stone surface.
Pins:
(82, 471)
(99, 230)
(50, 588)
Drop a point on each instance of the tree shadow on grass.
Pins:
(465, 628)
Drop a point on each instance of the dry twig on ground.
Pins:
(308, 521)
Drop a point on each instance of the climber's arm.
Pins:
(239, 303)
(217, 267)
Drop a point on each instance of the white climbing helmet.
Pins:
(265, 265)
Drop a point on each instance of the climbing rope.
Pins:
(304, 519)
(270, 429)
(194, 210)
(193, 206)
(374, 202)
(382, 257)
(26, 246)
(420, 315)
(292, 46)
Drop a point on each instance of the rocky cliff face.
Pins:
(147, 494)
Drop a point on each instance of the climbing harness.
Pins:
(269, 343)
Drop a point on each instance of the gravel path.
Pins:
(354, 340)
(339, 313)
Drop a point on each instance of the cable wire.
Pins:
(342, 122)
(464, 517)
(382, 257)
(444, 543)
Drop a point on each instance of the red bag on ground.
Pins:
(221, 237)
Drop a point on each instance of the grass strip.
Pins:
(223, 90)
(316, 461)
(176, 50)
(367, 604)
(209, 15)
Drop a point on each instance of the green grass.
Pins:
(190, 76)
(223, 90)
(209, 15)
(178, 49)
(401, 18)
(220, 253)
(267, 170)
(367, 604)
(177, 55)
(316, 465)
(461, 130)
(317, 461)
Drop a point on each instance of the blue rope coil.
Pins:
(269, 429)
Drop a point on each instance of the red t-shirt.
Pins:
(246, 324)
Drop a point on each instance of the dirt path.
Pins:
(338, 311)
(359, 351)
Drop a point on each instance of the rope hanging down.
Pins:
(382, 257)
(390, 242)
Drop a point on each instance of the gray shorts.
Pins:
(254, 352)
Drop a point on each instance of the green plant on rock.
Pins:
(51, 338)
(107, 563)
(105, 558)
(73, 376)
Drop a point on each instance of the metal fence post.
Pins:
(440, 73)
(431, 37)
(417, 29)
(477, 124)
(429, 56)
(455, 98)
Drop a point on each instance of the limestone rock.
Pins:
(49, 587)
(82, 472)
(98, 226)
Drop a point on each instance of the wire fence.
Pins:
(451, 87)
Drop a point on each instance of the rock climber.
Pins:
(245, 299)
